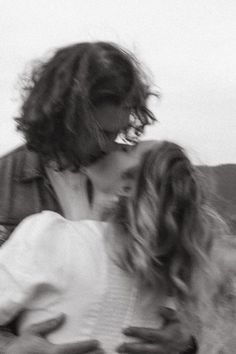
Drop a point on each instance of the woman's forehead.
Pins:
(134, 157)
(144, 146)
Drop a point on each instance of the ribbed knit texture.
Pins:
(121, 307)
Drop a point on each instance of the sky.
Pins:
(188, 48)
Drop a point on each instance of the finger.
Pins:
(86, 346)
(171, 333)
(147, 334)
(47, 326)
(141, 348)
(168, 314)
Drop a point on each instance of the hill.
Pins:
(221, 182)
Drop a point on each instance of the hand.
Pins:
(32, 341)
(170, 339)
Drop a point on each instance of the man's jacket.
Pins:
(24, 189)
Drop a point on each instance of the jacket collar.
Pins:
(31, 167)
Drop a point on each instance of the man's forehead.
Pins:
(111, 117)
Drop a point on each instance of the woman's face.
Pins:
(116, 172)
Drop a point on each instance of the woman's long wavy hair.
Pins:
(61, 94)
(166, 228)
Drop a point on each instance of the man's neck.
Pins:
(74, 193)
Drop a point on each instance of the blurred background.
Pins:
(187, 46)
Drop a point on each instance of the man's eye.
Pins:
(110, 135)
(128, 107)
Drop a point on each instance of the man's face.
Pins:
(111, 120)
(116, 173)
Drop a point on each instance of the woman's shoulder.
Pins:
(42, 220)
(36, 229)
(37, 240)
(56, 224)
(45, 216)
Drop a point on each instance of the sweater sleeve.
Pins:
(30, 259)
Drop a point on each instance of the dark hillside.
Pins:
(221, 182)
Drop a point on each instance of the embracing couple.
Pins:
(109, 245)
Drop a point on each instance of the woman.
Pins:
(161, 245)
(170, 238)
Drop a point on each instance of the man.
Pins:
(75, 106)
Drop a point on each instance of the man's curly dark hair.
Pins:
(61, 94)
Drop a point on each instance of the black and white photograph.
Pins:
(118, 177)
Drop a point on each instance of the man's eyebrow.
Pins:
(130, 173)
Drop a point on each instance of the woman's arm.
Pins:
(25, 259)
(30, 258)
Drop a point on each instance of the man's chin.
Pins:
(93, 159)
